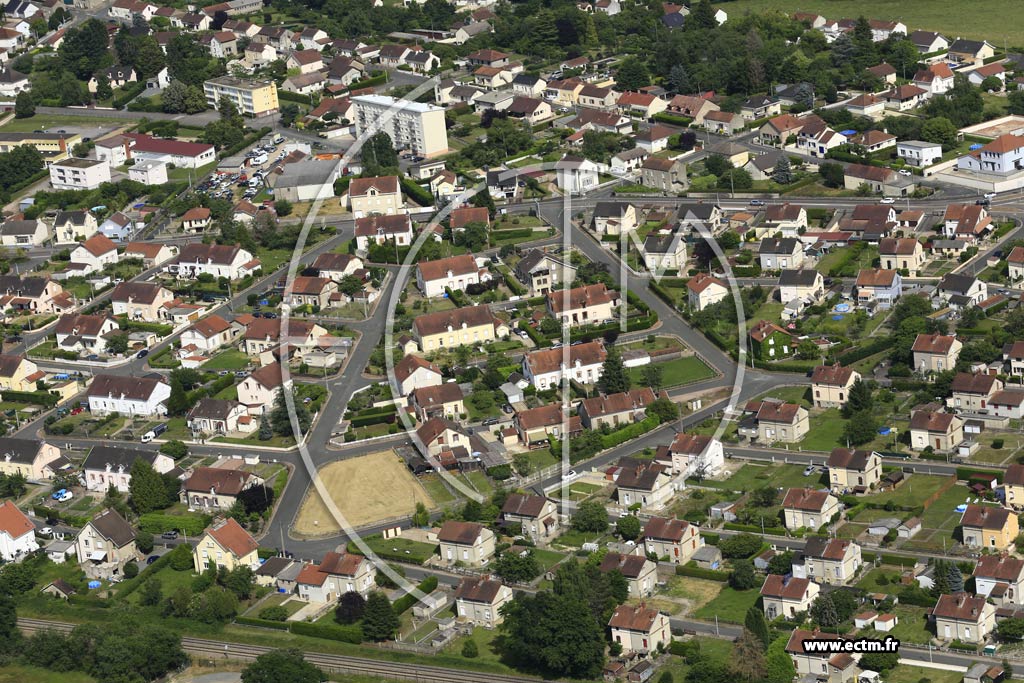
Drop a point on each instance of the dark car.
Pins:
(151, 559)
(757, 202)
(142, 354)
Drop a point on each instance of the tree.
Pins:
(614, 376)
(590, 517)
(755, 623)
(379, 619)
(742, 577)
(470, 649)
(651, 375)
(103, 89)
(144, 541)
(1011, 629)
(379, 155)
(748, 661)
(174, 448)
(555, 633)
(146, 488)
(740, 546)
(807, 350)
(117, 343)
(764, 496)
(283, 207)
(24, 105)
(421, 517)
(151, 593)
(178, 402)
(831, 174)
(778, 664)
(679, 80)
(781, 563)
(665, 409)
(702, 16)
(281, 419)
(861, 428)
(954, 577)
(289, 113)
(1015, 100)
(783, 171)
(628, 527)
(173, 97)
(860, 397)
(939, 130)
(282, 666)
(824, 611)
(735, 179)
(516, 567)
(632, 74)
(266, 432)
(882, 662)
(351, 606)
(351, 285)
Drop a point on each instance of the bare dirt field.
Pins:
(367, 489)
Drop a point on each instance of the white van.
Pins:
(259, 159)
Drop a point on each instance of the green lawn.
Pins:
(912, 626)
(944, 16)
(231, 359)
(46, 122)
(678, 372)
(801, 395)
(436, 489)
(414, 551)
(826, 431)
(730, 605)
(916, 488)
(904, 673)
(31, 674)
(751, 476)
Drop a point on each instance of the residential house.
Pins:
(641, 574)
(1007, 404)
(780, 253)
(118, 226)
(827, 666)
(128, 395)
(667, 175)
(586, 305)
(964, 617)
(692, 107)
(904, 254)
(18, 373)
(785, 218)
(216, 488)
(986, 526)
(966, 221)
(616, 218)
(817, 139)
(937, 79)
(853, 470)
(455, 273)
(529, 109)
(545, 368)
(760, 107)
(973, 52)
(84, 333)
(17, 533)
(640, 629)
(879, 287)
(874, 140)
(724, 123)
(830, 385)
(787, 596)
(1013, 354)
(263, 334)
(935, 352)
(692, 455)
(542, 272)
(378, 230)
(905, 97)
(576, 175)
(16, 232)
(33, 459)
(616, 410)
(349, 573)
(458, 327)
(443, 400)
(479, 599)
(259, 390)
(1015, 264)
(939, 431)
(972, 392)
(703, 290)
(809, 508)
(535, 517)
(874, 177)
(768, 340)
(337, 267)
(95, 253)
(640, 105)
(536, 426)
(225, 544)
(674, 539)
(144, 301)
(1002, 156)
(884, 72)
(105, 545)
(312, 291)
(438, 436)
(149, 253)
(378, 195)
(832, 561)
(927, 42)
(780, 130)
(71, 227)
(644, 482)
(1000, 577)
(528, 85)
(597, 97)
(211, 416)
(867, 105)
(467, 543)
(962, 291)
(654, 139)
(804, 285)
(209, 334)
(413, 372)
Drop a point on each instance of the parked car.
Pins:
(169, 535)
(809, 470)
(142, 354)
(757, 202)
(887, 200)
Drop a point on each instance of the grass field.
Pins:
(366, 489)
(750, 477)
(31, 674)
(945, 16)
(912, 626)
(676, 372)
(730, 605)
(694, 592)
(47, 122)
(913, 674)
(231, 359)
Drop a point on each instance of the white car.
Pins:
(905, 172)
(65, 497)
(990, 195)
(570, 475)
(887, 200)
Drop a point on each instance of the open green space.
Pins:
(911, 626)
(904, 673)
(51, 123)
(231, 359)
(31, 674)
(730, 605)
(750, 477)
(674, 373)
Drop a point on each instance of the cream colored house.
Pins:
(258, 391)
(826, 667)
(216, 488)
(646, 483)
(537, 516)
(786, 422)
(640, 628)
(675, 539)
(809, 508)
(987, 526)
(853, 470)
(28, 457)
(1013, 486)
(829, 560)
(964, 617)
(1015, 264)
(641, 574)
(973, 392)
(382, 195)
(702, 290)
(457, 327)
(18, 373)
(225, 544)
(903, 254)
(466, 543)
(349, 573)
(938, 431)
(478, 600)
(140, 300)
(616, 410)
(443, 400)
(105, 545)
(1000, 578)
(586, 305)
(830, 385)
(935, 352)
(787, 596)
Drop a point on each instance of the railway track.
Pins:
(218, 649)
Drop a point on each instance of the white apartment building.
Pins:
(413, 126)
(79, 174)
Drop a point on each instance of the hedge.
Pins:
(711, 539)
(862, 352)
(368, 82)
(665, 117)
(263, 623)
(157, 523)
(89, 601)
(512, 283)
(416, 192)
(42, 398)
(294, 97)
(698, 573)
(628, 432)
(404, 603)
(48, 513)
(755, 528)
(130, 93)
(131, 585)
(246, 142)
(383, 418)
(515, 233)
(660, 292)
(534, 334)
(345, 634)
(966, 473)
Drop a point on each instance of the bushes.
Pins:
(427, 586)
(131, 91)
(344, 634)
(263, 623)
(752, 528)
(968, 473)
(157, 523)
(416, 192)
(699, 573)
(628, 432)
(665, 117)
(514, 234)
(42, 398)
(865, 350)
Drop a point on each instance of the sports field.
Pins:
(1001, 23)
(367, 489)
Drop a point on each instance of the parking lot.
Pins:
(262, 159)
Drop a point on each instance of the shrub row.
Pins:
(345, 634)
(865, 350)
(130, 93)
(157, 523)
(416, 192)
(246, 142)
(293, 97)
(513, 234)
(48, 513)
(628, 432)
(512, 283)
(665, 117)
(367, 420)
(966, 473)
(755, 528)
(698, 573)
(427, 586)
(263, 623)
(659, 291)
(42, 398)
(131, 585)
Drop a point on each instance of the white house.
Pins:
(128, 395)
(219, 260)
(576, 175)
(95, 253)
(17, 533)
